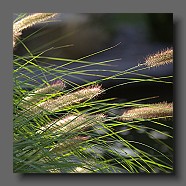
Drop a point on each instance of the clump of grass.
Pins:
(54, 128)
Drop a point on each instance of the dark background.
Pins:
(139, 35)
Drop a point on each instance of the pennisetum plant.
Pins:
(55, 128)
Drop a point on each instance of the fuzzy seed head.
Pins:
(73, 123)
(151, 111)
(161, 58)
(71, 98)
(29, 21)
(42, 93)
(53, 88)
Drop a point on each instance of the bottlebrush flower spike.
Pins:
(29, 21)
(161, 58)
(70, 99)
(150, 111)
(73, 123)
(42, 93)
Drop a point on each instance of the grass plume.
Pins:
(70, 99)
(149, 111)
(73, 123)
(42, 93)
(29, 21)
(160, 58)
